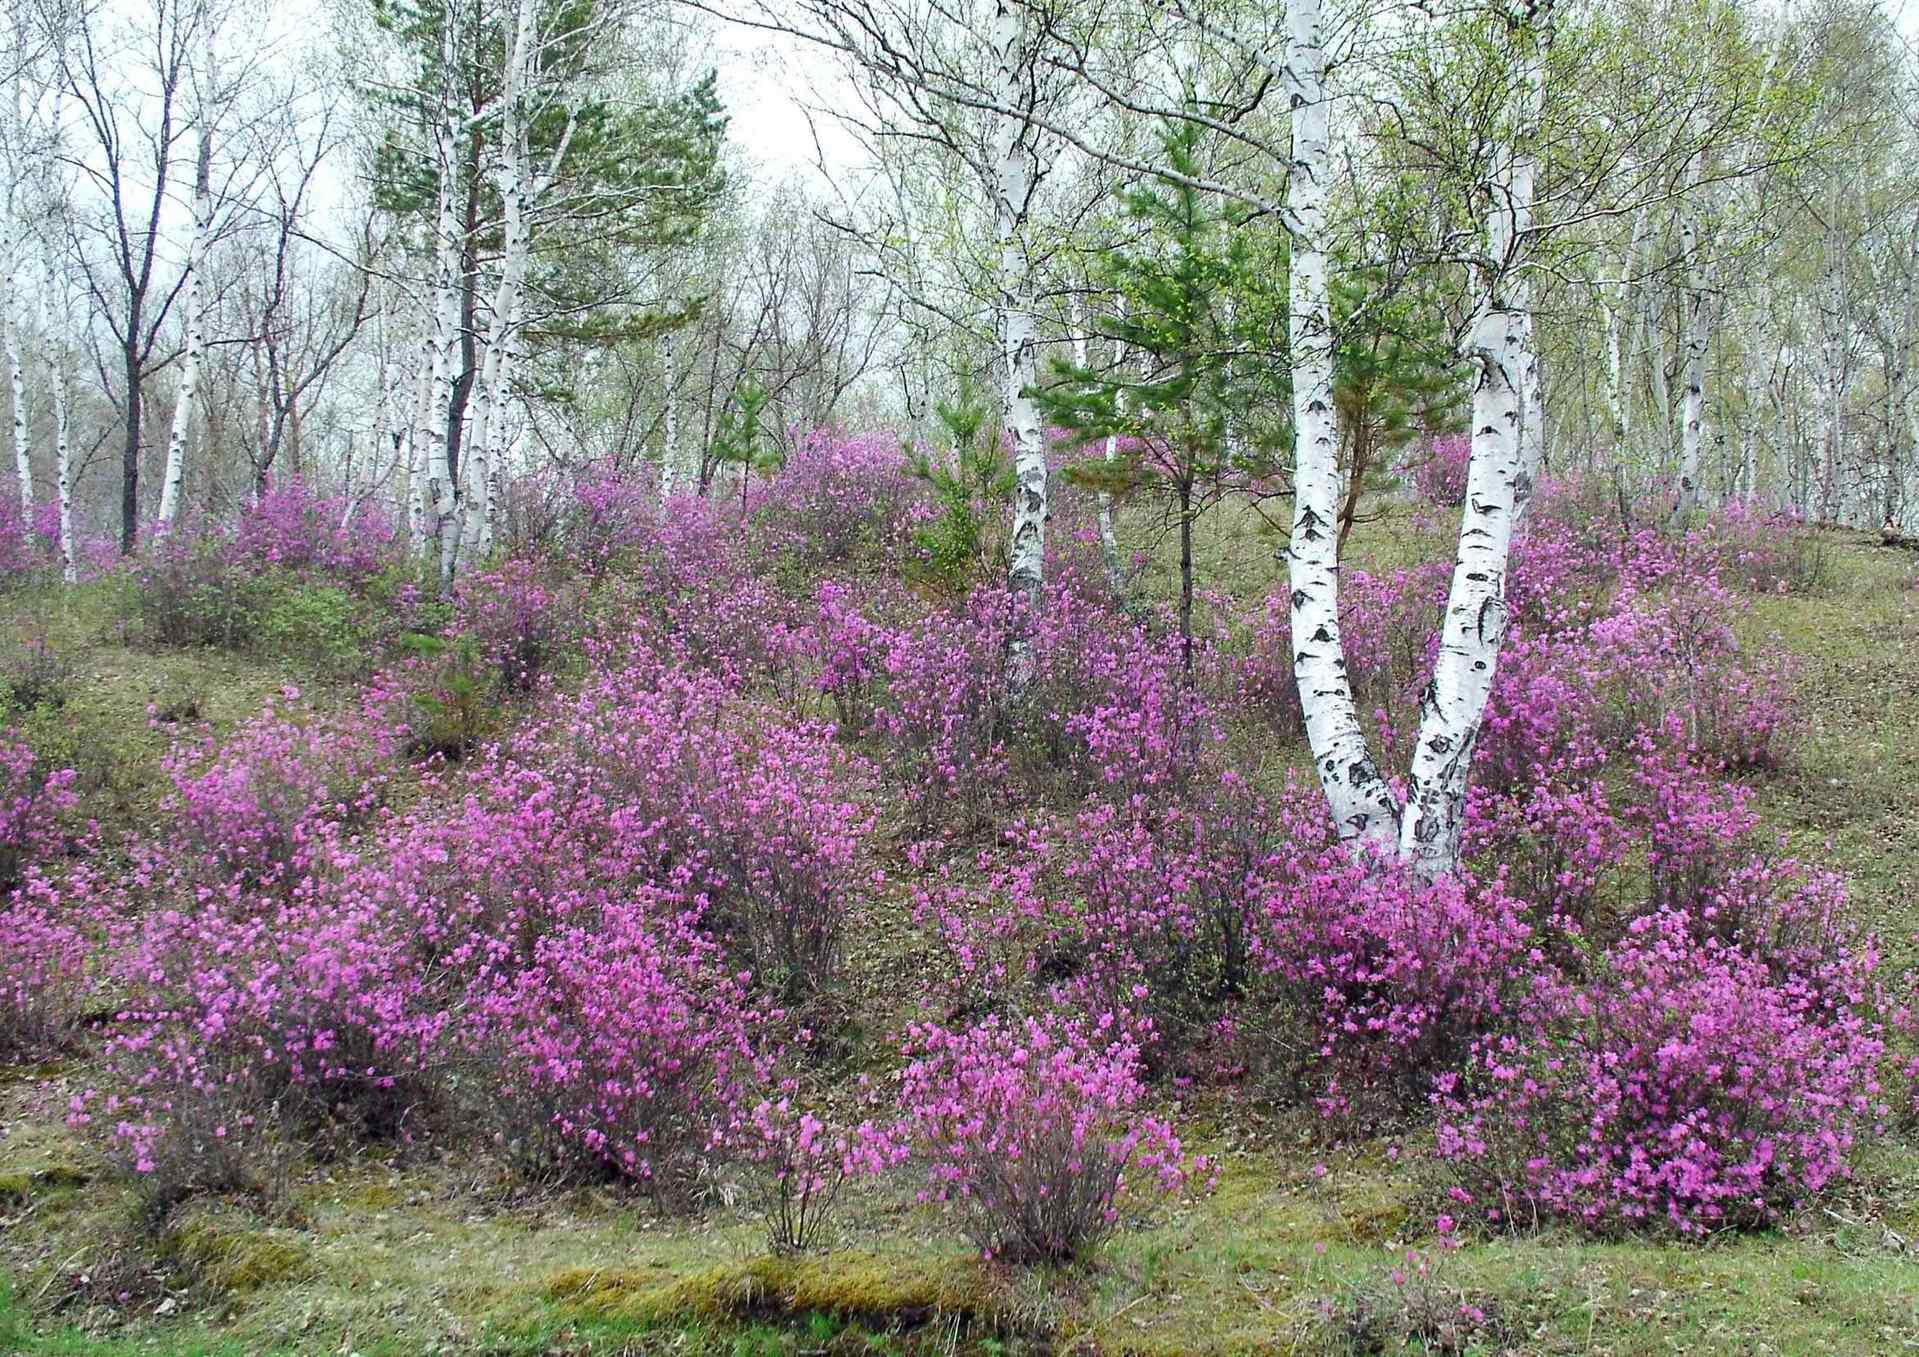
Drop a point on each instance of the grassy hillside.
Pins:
(1302, 1245)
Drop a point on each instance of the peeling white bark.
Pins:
(438, 491)
(1362, 801)
(53, 321)
(672, 474)
(194, 300)
(1692, 411)
(1014, 182)
(1499, 485)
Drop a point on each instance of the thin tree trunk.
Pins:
(1013, 191)
(435, 431)
(485, 455)
(1498, 486)
(16, 373)
(194, 299)
(1525, 174)
(53, 320)
(1362, 802)
(1108, 541)
(1698, 340)
(671, 472)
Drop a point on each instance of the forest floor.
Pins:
(1301, 1246)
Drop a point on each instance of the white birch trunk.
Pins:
(1362, 802)
(1519, 292)
(53, 321)
(670, 469)
(1012, 194)
(16, 373)
(484, 454)
(438, 498)
(1474, 626)
(194, 299)
(1498, 487)
(416, 457)
(13, 251)
(1692, 411)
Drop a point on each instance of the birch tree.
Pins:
(194, 305)
(1017, 171)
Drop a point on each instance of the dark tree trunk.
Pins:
(130, 457)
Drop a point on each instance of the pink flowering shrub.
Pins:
(250, 808)
(21, 552)
(289, 527)
(839, 495)
(1763, 550)
(942, 711)
(1387, 979)
(693, 593)
(307, 1011)
(42, 974)
(1440, 475)
(521, 622)
(852, 653)
(1032, 1135)
(34, 802)
(621, 1050)
(797, 1164)
(1687, 1086)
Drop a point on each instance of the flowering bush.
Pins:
(852, 653)
(251, 808)
(942, 710)
(34, 800)
(1389, 977)
(1440, 475)
(797, 1165)
(1687, 1086)
(520, 622)
(289, 527)
(620, 1050)
(838, 494)
(1031, 1133)
(42, 974)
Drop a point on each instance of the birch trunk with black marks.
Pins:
(485, 452)
(54, 319)
(1361, 800)
(416, 457)
(17, 383)
(1499, 486)
(1013, 185)
(1519, 291)
(434, 434)
(1692, 409)
(194, 299)
(671, 472)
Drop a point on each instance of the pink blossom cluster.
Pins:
(798, 1162)
(35, 804)
(1686, 1085)
(837, 496)
(289, 526)
(43, 975)
(1032, 1132)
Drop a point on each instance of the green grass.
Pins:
(419, 1254)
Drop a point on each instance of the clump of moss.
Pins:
(19, 1185)
(230, 1260)
(872, 1291)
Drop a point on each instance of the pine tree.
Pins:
(1201, 360)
